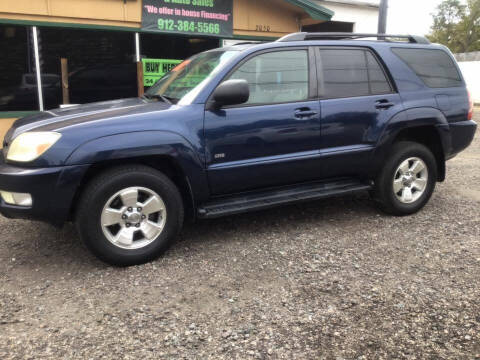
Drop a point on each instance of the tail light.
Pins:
(470, 106)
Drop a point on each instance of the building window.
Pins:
(168, 47)
(159, 46)
(18, 82)
(101, 64)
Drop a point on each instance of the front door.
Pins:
(272, 139)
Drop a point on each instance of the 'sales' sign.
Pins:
(197, 17)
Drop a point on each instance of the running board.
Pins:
(259, 200)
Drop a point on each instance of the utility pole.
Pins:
(382, 17)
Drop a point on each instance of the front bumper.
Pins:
(52, 190)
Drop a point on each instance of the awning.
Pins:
(315, 11)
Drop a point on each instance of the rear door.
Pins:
(357, 99)
(272, 139)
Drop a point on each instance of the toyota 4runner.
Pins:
(243, 128)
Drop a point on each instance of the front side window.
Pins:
(276, 77)
(350, 73)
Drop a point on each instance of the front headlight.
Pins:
(30, 145)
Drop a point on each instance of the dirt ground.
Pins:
(332, 279)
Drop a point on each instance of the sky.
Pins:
(410, 16)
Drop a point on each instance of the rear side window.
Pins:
(276, 77)
(376, 76)
(350, 73)
(435, 67)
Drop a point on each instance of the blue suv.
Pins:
(243, 128)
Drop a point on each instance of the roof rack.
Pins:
(302, 36)
(246, 43)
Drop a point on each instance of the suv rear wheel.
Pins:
(407, 179)
(129, 215)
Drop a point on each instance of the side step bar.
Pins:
(269, 198)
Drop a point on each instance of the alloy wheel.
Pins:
(410, 180)
(133, 218)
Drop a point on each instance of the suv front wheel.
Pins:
(407, 180)
(129, 215)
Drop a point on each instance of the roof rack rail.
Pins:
(247, 43)
(302, 36)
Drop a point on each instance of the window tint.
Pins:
(276, 77)
(376, 76)
(349, 73)
(434, 67)
(344, 73)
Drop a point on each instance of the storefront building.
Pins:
(360, 16)
(102, 41)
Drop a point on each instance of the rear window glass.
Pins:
(434, 67)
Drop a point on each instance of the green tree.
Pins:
(457, 25)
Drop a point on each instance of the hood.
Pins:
(83, 124)
(56, 119)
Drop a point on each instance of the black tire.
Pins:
(383, 192)
(98, 192)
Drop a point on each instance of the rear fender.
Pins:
(410, 119)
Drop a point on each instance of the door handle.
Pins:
(304, 113)
(383, 104)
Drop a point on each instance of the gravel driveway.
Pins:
(333, 279)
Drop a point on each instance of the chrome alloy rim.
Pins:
(133, 218)
(410, 180)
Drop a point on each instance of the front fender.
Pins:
(142, 144)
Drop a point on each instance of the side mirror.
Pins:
(231, 92)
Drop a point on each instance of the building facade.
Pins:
(349, 16)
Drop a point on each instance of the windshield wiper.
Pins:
(157, 96)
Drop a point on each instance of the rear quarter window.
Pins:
(435, 67)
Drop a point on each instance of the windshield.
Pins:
(187, 78)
